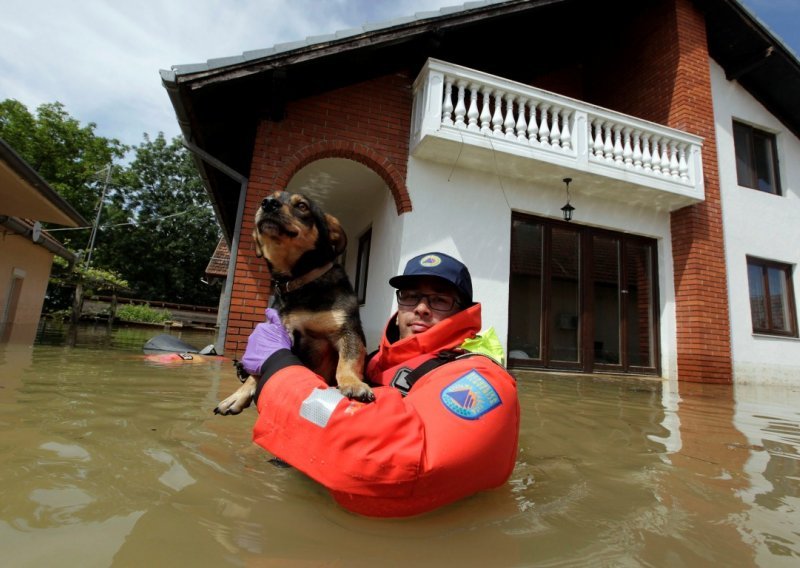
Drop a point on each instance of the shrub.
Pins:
(142, 313)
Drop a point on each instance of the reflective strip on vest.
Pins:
(319, 406)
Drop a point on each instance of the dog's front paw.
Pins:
(239, 400)
(359, 391)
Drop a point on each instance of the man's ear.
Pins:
(257, 239)
(336, 234)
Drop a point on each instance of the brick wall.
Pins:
(701, 286)
(664, 77)
(368, 122)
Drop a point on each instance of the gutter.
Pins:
(233, 245)
(24, 229)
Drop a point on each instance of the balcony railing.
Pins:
(483, 121)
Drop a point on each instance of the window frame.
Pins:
(791, 308)
(362, 260)
(754, 133)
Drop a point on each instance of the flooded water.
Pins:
(109, 459)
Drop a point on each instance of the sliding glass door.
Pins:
(581, 298)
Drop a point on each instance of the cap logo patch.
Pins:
(430, 260)
(470, 396)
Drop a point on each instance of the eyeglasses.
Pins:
(436, 302)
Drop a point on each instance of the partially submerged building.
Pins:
(26, 250)
(670, 127)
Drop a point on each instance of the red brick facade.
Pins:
(368, 123)
(701, 285)
(661, 74)
(666, 79)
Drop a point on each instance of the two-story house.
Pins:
(618, 176)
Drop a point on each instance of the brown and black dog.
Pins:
(312, 294)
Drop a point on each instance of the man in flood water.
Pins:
(445, 420)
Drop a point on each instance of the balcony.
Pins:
(476, 120)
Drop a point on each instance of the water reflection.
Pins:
(112, 460)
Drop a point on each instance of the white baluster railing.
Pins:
(531, 122)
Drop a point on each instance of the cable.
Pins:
(157, 219)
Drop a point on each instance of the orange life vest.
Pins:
(454, 434)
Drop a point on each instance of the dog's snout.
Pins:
(270, 204)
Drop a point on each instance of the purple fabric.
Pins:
(266, 339)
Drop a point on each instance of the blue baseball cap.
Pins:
(438, 265)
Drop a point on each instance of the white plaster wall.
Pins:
(467, 214)
(757, 224)
(377, 209)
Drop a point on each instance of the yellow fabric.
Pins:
(486, 343)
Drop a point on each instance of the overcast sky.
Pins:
(101, 59)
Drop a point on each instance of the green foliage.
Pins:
(67, 155)
(93, 278)
(157, 229)
(164, 253)
(142, 313)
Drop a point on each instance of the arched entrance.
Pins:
(367, 210)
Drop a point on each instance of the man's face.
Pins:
(413, 319)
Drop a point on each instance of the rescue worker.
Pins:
(444, 423)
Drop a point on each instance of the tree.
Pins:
(164, 253)
(157, 230)
(86, 280)
(67, 155)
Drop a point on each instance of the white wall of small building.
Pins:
(467, 214)
(757, 224)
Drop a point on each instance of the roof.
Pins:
(756, 57)
(23, 193)
(219, 103)
(228, 64)
(218, 264)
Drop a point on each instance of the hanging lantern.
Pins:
(567, 209)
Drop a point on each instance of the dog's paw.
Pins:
(358, 391)
(239, 400)
(234, 404)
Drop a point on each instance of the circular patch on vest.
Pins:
(470, 396)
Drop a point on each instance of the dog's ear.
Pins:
(258, 243)
(336, 234)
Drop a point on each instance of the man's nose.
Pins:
(422, 305)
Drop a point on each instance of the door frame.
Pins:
(586, 362)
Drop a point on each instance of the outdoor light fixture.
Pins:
(567, 209)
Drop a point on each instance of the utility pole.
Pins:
(97, 218)
(77, 300)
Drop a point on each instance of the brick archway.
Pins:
(355, 151)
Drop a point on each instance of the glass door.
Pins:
(563, 306)
(581, 298)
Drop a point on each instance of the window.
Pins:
(364, 244)
(771, 297)
(756, 158)
(582, 298)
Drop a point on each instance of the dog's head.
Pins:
(293, 234)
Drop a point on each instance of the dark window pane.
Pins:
(639, 302)
(756, 159)
(564, 321)
(778, 299)
(362, 268)
(605, 280)
(525, 294)
(762, 147)
(771, 297)
(758, 306)
(744, 153)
